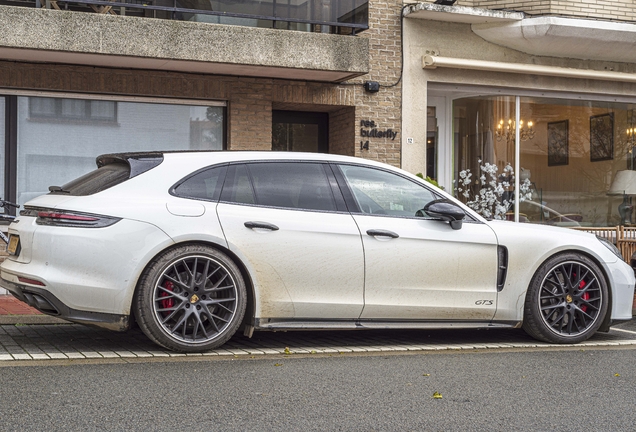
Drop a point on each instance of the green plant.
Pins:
(430, 180)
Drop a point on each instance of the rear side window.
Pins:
(95, 181)
(292, 185)
(238, 187)
(205, 184)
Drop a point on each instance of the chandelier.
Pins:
(508, 131)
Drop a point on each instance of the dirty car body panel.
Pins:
(196, 245)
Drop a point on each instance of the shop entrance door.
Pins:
(300, 131)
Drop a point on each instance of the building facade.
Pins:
(79, 79)
(545, 88)
(434, 89)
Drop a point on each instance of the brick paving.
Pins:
(10, 305)
(74, 341)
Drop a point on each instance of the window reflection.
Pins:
(579, 149)
(576, 157)
(59, 138)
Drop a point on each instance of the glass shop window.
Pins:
(59, 138)
(577, 165)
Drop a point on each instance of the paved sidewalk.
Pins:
(73, 341)
(13, 311)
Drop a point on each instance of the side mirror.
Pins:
(447, 211)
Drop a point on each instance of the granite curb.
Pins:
(30, 319)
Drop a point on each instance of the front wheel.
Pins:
(191, 298)
(566, 301)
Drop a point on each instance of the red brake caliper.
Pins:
(169, 302)
(585, 296)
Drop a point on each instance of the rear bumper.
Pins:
(47, 303)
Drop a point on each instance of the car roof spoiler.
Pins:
(138, 162)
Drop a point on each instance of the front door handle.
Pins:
(382, 233)
(262, 225)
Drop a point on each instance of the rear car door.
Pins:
(418, 268)
(302, 248)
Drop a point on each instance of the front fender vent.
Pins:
(502, 266)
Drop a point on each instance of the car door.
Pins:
(418, 268)
(303, 248)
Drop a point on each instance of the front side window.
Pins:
(292, 185)
(380, 192)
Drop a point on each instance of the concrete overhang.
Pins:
(564, 37)
(40, 35)
(460, 14)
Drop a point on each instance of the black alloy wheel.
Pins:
(191, 299)
(567, 300)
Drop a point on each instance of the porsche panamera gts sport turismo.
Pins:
(195, 246)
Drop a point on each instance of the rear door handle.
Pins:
(262, 225)
(382, 233)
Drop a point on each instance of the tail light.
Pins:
(53, 217)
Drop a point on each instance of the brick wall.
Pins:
(250, 115)
(385, 106)
(341, 128)
(615, 10)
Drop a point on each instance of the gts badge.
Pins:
(484, 302)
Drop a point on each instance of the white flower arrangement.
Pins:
(494, 198)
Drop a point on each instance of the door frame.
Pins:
(307, 117)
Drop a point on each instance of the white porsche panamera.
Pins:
(194, 246)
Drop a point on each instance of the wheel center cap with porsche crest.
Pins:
(194, 299)
(569, 299)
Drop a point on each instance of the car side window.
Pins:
(293, 185)
(380, 192)
(238, 187)
(206, 184)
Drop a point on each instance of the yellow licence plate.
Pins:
(14, 241)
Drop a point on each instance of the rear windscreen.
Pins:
(98, 180)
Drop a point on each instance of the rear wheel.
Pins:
(191, 298)
(566, 301)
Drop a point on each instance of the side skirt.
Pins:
(274, 324)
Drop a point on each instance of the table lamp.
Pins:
(624, 184)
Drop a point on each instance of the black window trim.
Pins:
(342, 194)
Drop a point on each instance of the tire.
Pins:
(566, 301)
(190, 299)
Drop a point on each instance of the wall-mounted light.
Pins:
(372, 86)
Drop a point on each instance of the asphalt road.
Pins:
(557, 390)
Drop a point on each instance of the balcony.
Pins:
(331, 16)
(249, 38)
